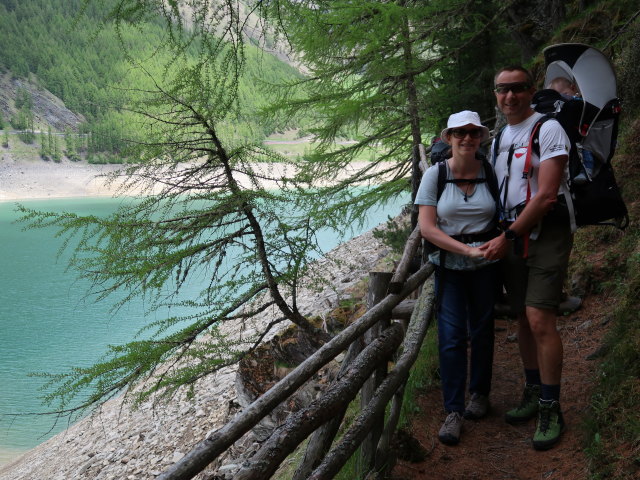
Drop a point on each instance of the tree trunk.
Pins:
(414, 115)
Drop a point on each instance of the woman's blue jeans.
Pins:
(465, 316)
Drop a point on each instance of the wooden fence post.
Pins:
(286, 437)
(322, 438)
(363, 423)
(208, 449)
(378, 286)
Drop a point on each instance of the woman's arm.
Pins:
(430, 231)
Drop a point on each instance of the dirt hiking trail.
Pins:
(492, 449)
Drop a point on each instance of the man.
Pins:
(536, 247)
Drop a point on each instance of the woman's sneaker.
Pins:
(528, 407)
(477, 407)
(449, 433)
(550, 425)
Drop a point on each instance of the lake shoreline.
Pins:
(35, 179)
(120, 442)
(8, 455)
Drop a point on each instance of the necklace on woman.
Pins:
(466, 185)
(466, 189)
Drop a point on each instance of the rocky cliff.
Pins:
(47, 108)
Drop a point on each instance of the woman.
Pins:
(457, 213)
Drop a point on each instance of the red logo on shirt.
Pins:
(520, 152)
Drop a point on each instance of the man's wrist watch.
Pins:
(510, 234)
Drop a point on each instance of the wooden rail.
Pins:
(371, 342)
(210, 448)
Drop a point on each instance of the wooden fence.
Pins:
(392, 330)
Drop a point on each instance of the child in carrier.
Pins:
(569, 91)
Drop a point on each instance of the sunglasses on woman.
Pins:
(463, 132)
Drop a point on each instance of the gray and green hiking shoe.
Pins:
(550, 425)
(528, 407)
(477, 407)
(449, 433)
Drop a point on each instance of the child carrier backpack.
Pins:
(590, 119)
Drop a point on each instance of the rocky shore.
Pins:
(118, 442)
(33, 178)
(36, 179)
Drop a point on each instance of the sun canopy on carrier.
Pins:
(586, 66)
(591, 117)
(589, 112)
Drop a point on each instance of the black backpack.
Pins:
(492, 184)
(590, 120)
(489, 178)
(596, 197)
(441, 151)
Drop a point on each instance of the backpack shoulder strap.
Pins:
(496, 146)
(442, 179)
(492, 185)
(492, 180)
(535, 137)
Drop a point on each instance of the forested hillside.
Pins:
(77, 54)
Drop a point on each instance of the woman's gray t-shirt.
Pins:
(457, 213)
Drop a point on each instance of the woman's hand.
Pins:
(475, 252)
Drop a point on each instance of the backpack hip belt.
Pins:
(476, 237)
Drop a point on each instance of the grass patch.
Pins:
(612, 262)
(613, 423)
(422, 376)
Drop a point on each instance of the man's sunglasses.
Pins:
(518, 87)
(463, 132)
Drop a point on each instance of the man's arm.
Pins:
(549, 177)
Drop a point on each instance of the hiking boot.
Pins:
(528, 407)
(550, 425)
(477, 407)
(449, 433)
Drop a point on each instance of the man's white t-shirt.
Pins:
(553, 142)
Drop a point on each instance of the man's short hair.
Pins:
(515, 68)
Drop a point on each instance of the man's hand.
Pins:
(496, 248)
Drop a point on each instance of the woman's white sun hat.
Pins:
(462, 119)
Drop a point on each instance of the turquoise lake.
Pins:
(48, 323)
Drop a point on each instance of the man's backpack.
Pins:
(591, 123)
(596, 198)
